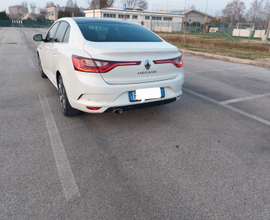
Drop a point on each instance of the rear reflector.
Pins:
(93, 108)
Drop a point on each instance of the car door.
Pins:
(46, 54)
(57, 50)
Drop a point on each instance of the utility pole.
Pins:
(267, 32)
(206, 12)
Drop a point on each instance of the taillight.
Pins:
(97, 66)
(178, 62)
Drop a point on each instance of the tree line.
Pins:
(235, 11)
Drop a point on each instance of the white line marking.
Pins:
(30, 61)
(228, 107)
(67, 179)
(244, 98)
(214, 70)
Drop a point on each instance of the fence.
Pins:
(24, 23)
(222, 32)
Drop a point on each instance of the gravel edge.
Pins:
(232, 59)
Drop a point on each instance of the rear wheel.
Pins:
(42, 74)
(66, 108)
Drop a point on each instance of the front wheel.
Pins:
(66, 108)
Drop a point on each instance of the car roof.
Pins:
(83, 20)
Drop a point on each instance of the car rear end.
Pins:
(123, 71)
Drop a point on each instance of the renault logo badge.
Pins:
(147, 64)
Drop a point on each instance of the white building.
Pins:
(158, 21)
(194, 15)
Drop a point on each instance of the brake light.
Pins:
(97, 66)
(178, 62)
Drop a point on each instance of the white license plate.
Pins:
(151, 93)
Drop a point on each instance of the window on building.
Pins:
(49, 13)
(167, 18)
(127, 16)
(109, 15)
(52, 13)
(120, 16)
(134, 16)
(147, 17)
(156, 18)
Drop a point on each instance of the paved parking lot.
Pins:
(205, 156)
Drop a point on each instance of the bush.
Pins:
(3, 16)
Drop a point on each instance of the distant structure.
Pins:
(158, 21)
(43, 11)
(194, 15)
(27, 16)
(17, 11)
(52, 13)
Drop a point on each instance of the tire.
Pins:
(42, 74)
(66, 108)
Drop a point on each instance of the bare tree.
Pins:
(72, 8)
(136, 3)
(49, 4)
(192, 7)
(254, 14)
(69, 4)
(24, 4)
(142, 4)
(97, 4)
(266, 13)
(235, 11)
(33, 7)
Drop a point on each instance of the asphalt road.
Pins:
(205, 156)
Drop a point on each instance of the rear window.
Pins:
(117, 32)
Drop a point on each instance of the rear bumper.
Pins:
(91, 90)
(142, 105)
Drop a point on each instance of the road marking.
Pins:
(214, 70)
(228, 107)
(30, 61)
(244, 98)
(67, 179)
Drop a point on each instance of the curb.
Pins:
(232, 59)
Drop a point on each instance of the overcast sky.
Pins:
(213, 5)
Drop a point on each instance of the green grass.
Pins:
(216, 36)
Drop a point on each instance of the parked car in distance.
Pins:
(100, 65)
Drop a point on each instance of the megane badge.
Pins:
(147, 64)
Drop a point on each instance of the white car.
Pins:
(100, 65)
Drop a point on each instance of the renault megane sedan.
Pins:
(100, 65)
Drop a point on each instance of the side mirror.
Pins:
(38, 37)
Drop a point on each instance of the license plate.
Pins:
(146, 94)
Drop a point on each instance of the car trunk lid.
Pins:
(143, 52)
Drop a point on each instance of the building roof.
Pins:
(136, 11)
(25, 17)
(16, 6)
(184, 12)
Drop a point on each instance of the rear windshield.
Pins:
(117, 32)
